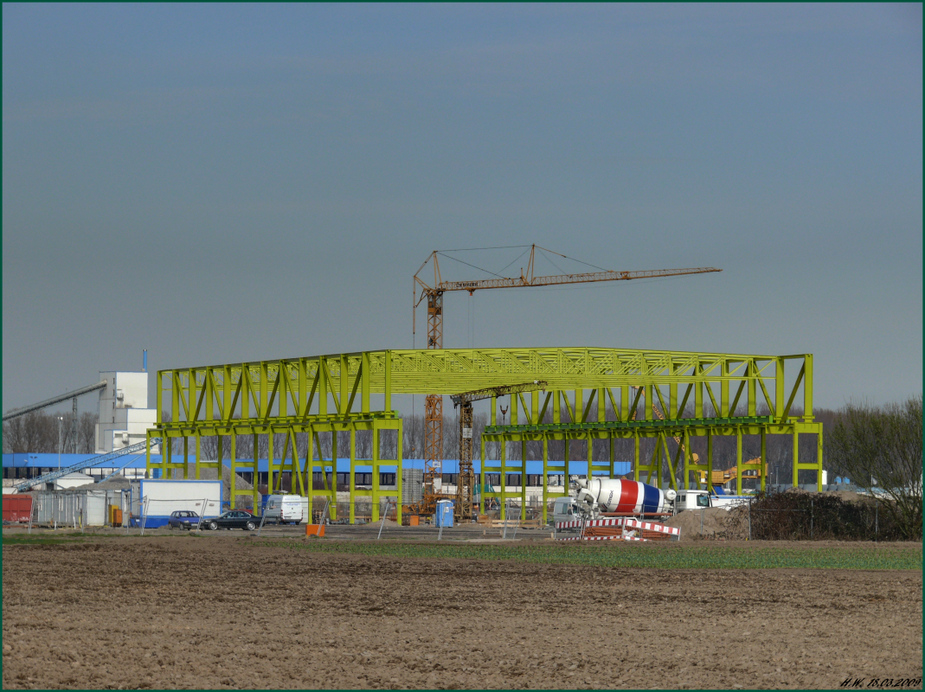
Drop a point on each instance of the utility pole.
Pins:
(60, 423)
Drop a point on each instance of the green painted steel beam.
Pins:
(678, 424)
(343, 383)
(352, 392)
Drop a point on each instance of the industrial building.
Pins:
(124, 414)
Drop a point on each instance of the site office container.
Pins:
(17, 508)
(159, 497)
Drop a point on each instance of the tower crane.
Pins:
(433, 292)
(465, 483)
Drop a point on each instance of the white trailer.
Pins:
(158, 498)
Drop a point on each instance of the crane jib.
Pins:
(558, 279)
(433, 417)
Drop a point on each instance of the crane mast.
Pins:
(433, 292)
(465, 483)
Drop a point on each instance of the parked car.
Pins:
(234, 519)
(183, 519)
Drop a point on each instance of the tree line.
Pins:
(38, 433)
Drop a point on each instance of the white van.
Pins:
(283, 509)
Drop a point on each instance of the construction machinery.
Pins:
(614, 509)
(720, 479)
(591, 499)
(465, 483)
(433, 292)
(725, 477)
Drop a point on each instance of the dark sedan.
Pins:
(234, 519)
(183, 519)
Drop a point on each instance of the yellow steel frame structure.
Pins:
(591, 394)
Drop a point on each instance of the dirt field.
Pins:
(220, 612)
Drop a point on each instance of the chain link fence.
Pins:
(799, 516)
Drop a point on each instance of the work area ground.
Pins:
(233, 610)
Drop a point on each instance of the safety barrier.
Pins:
(626, 528)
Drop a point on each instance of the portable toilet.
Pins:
(444, 513)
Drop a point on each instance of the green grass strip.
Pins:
(853, 556)
(662, 557)
(73, 537)
(36, 540)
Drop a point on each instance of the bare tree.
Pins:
(208, 447)
(881, 448)
(388, 444)
(412, 437)
(14, 436)
(86, 432)
(364, 444)
(34, 432)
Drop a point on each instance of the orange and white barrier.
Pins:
(652, 526)
(625, 528)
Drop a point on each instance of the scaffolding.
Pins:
(591, 394)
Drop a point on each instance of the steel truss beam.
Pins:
(596, 389)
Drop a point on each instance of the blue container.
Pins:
(444, 513)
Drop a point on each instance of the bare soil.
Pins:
(218, 611)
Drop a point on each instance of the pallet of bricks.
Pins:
(616, 528)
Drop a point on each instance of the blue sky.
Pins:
(227, 183)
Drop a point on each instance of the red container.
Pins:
(17, 508)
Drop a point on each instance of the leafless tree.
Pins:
(34, 432)
(86, 431)
(388, 444)
(413, 437)
(880, 450)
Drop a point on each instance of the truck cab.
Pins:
(702, 499)
(564, 509)
(692, 499)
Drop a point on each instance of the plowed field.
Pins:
(226, 611)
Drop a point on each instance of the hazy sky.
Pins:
(228, 183)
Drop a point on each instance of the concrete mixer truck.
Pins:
(597, 496)
(593, 498)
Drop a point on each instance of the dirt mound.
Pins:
(212, 474)
(711, 523)
(117, 482)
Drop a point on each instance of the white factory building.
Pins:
(124, 413)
